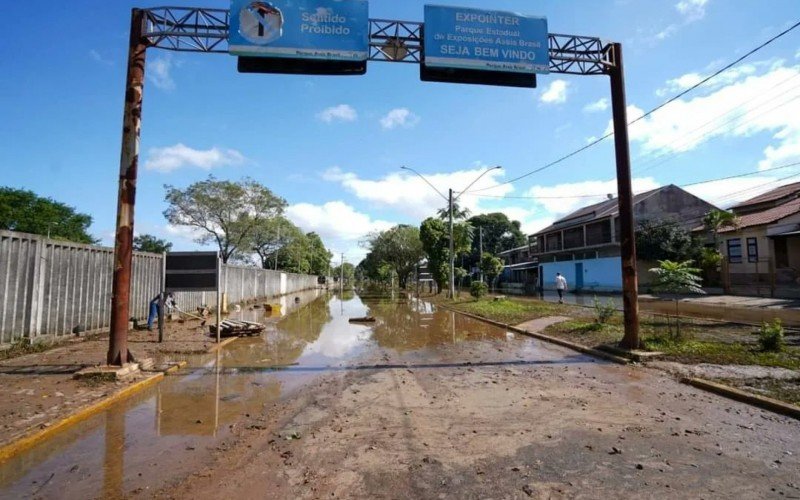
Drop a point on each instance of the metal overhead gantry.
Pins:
(196, 29)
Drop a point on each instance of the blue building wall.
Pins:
(599, 275)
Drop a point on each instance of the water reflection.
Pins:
(414, 324)
(196, 407)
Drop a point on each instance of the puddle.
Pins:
(159, 434)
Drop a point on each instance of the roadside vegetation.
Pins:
(683, 340)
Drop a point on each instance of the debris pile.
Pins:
(237, 328)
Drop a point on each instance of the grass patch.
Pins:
(24, 347)
(695, 351)
(784, 390)
(510, 312)
(587, 332)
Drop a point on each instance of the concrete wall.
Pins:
(599, 275)
(50, 287)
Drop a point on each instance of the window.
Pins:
(598, 233)
(573, 238)
(553, 242)
(752, 249)
(735, 251)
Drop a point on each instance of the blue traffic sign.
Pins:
(485, 40)
(332, 30)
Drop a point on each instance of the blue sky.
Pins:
(333, 146)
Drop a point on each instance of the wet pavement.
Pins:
(144, 442)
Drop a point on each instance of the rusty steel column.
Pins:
(118, 353)
(630, 281)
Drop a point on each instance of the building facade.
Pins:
(584, 246)
(762, 252)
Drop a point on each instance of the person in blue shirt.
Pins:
(169, 303)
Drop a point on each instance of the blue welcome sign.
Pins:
(332, 30)
(485, 40)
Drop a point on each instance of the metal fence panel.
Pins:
(51, 287)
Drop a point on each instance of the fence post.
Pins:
(37, 289)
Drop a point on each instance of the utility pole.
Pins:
(452, 256)
(341, 276)
(630, 282)
(480, 251)
(118, 353)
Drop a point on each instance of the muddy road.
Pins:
(421, 404)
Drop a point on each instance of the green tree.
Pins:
(499, 233)
(374, 270)
(665, 240)
(319, 256)
(349, 272)
(150, 243)
(268, 236)
(399, 247)
(225, 212)
(434, 236)
(24, 211)
(295, 256)
(491, 266)
(677, 277)
(717, 220)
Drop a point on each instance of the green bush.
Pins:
(604, 312)
(478, 289)
(770, 337)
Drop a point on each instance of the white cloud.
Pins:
(98, 57)
(692, 10)
(159, 72)
(410, 195)
(339, 225)
(171, 158)
(559, 200)
(597, 106)
(399, 117)
(341, 113)
(753, 104)
(689, 80)
(556, 92)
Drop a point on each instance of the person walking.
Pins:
(561, 287)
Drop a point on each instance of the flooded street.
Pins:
(156, 435)
(421, 403)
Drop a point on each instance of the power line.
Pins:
(717, 179)
(670, 156)
(691, 136)
(650, 112)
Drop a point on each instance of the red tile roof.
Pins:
(767, 216)
(775, 194)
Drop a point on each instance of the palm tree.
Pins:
(717, 220)
(458, 212)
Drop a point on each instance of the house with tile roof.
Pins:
(584, 246)
(764, 248)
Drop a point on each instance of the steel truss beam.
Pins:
(196, 29)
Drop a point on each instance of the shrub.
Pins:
(604, 312)
(770, 337)
(478, 289)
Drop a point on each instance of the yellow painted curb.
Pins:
(222, 344)
(762, 402)
(177, 366)
(553, 340)
(25, 442)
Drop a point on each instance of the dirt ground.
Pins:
(38, 389)
(500, 419)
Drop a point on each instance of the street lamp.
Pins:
(450, 201)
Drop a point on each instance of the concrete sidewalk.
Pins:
(733, 308)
